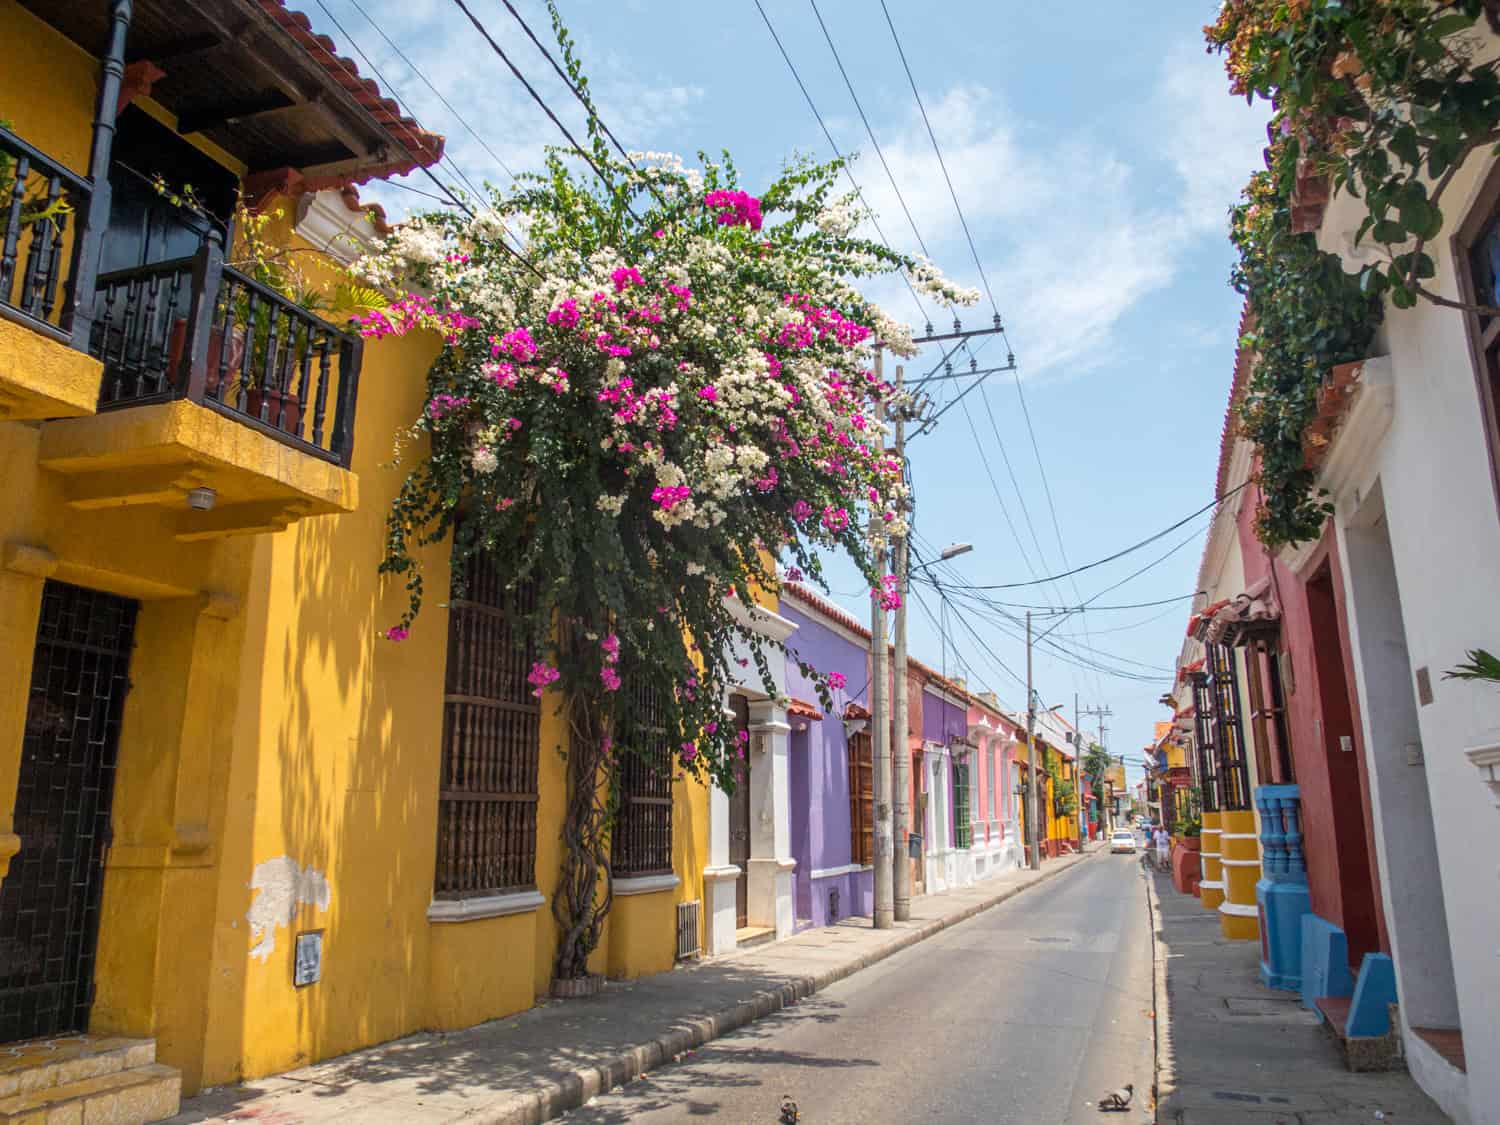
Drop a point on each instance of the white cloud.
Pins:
(1073, 231)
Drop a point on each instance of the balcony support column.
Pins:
(78, 312)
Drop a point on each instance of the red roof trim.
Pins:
(804, 710)
(417, 147)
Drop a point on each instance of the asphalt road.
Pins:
(1028, 1013)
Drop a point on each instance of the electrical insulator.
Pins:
(957, 325)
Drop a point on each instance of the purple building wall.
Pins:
(819, 783)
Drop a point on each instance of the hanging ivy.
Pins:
(1386, 99)
(1308, 315)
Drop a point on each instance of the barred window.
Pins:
(1229, 741)
(861, 799)
(963, 831)
(1203, 740)
(642, 842)
(491, 741)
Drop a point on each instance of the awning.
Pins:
(803, 710)
(1244, 618)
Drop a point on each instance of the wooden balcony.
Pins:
(219, 397)
(42, 373)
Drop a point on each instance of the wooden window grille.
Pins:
(491, 742)
(1229, 739)
(1273, 752)
(1203, 743)
(642, 843)
(861, 799)
(963, 831)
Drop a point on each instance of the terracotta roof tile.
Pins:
(418, 147)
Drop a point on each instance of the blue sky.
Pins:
(1094, 149)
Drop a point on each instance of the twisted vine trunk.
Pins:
(578, 905)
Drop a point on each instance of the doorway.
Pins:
(1360, 920)
(739, 818)
(1396, 760)
(49, 899)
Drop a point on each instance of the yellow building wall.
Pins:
(278, 760)
(1211, 889)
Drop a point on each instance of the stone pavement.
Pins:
(1232, 1052)
(532, 1066)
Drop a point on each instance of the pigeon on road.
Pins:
(1117, 1101)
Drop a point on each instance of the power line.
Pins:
(875, 222)
(345, 67)
(935, 148)
(521, 78)
(495, 156)
(1118, 554)
(850, 86)
(568, 82)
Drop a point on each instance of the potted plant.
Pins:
(1189, 831)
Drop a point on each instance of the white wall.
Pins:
(1433, 470)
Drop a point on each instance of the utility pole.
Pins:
(901, 755)
(1032, 836)
(880, 716)
(1102, 713)
(1081, 812)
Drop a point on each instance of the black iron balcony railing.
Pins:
(39, 259)
(197, 329)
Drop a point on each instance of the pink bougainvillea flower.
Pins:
(503, 503)
(609, 678)
(801, 510)
(669, 496)
(611, 647)
(836, 680)
(625, 277)
(565, 315)
(742, 736)
(736, 208)
(442, 405)
(540, 676)
(888, 593)
(689, 751)
(396, 633)
(516, 343)
(794, 575)
(711, 728)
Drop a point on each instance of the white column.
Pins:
(771, 863)
(719, 877)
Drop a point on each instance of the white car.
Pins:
(1122, 840)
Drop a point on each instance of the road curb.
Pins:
(553, 1098)
(1165, 1080)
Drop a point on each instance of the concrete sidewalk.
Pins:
(1232, 1052)
(534, 1065)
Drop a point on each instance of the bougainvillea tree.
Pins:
(655, 385)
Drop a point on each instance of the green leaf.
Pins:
(1389, 232)
(1451, 24)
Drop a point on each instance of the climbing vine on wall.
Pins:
(1385, 99)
